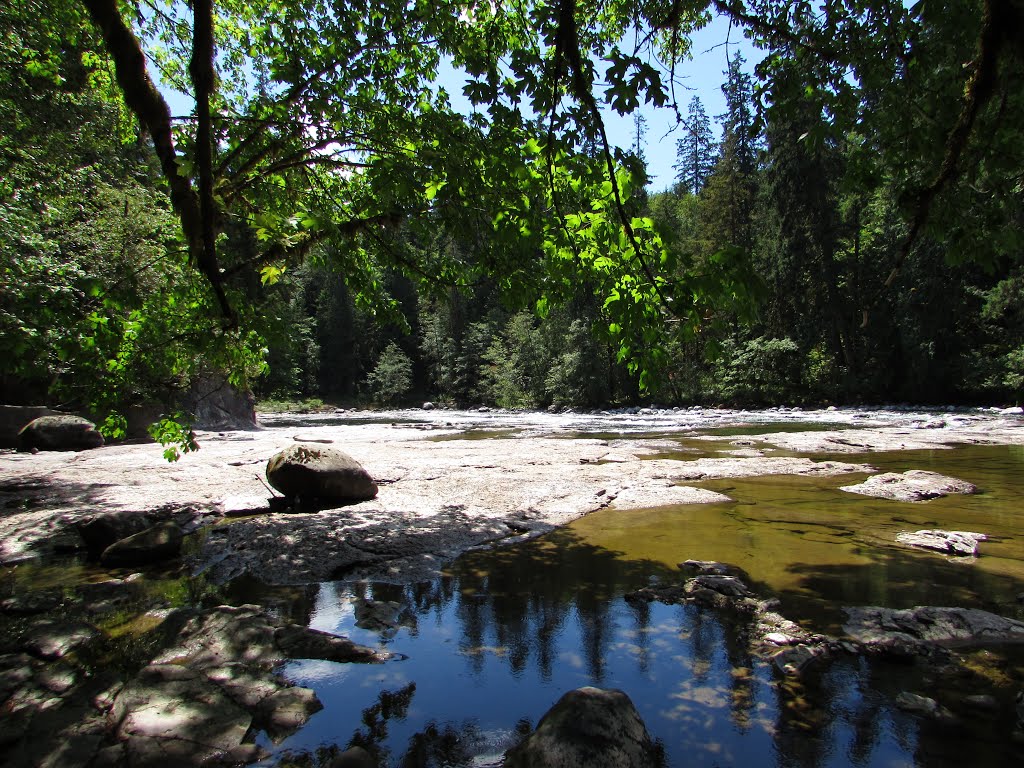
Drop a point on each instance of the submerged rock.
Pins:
(923, 626)
(378, 615)
(587, 728)
(923, 706)
(59, 433)
(325, 474)
(353, 757)
(156, 544)
(100, 531)
(913, 485)
(959, 543)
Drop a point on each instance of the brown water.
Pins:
(818, 548)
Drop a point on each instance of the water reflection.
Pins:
(495, 642)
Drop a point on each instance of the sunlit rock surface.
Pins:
(914, 485)
(958, 543)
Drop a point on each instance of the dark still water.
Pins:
(494, 643)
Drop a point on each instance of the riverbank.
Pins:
(442, 490)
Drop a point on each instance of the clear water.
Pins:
(492, 645)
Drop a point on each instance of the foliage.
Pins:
(324, 196)
(391, 378)
(760, 370)
(171, 432)
(290, 406)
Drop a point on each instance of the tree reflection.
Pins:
(553, 608)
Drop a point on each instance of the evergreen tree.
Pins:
(738, 124)
(639, 137)
(695, 152)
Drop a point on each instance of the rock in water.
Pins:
(324, 474)
(59, 433)
(587, 728)
(161, 542)
(913, 485)
(929, 625)
(959, 543)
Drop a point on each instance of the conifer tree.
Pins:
(695, 152)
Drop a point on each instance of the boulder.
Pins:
(59, 433)
(100, 531)
(325, 474)
(730, 586)
(588, 727)
(156, 544)
(14, 417)
(216, 404)
(914, 485)
(959, 543)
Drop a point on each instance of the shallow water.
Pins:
(492, 645)
(818, 548)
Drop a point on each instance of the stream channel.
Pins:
(493, 642)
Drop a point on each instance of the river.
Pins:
(491, 643)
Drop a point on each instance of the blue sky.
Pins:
(702, 76)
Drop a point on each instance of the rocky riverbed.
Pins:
(441, 491)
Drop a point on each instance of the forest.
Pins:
(323, 224)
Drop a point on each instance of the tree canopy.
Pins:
(320, 135)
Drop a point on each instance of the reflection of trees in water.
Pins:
(641, 611)
(519, 602)
(433, 746)
(389, 705)
(735, 633)
(518, 599)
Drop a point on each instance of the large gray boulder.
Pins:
(59, 433)
(587, 728)
(216, 404)
(325, 474)
(14, 417)
(100, 531)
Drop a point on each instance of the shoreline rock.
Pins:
(200, 700)
(59, 433)
(923, 627)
